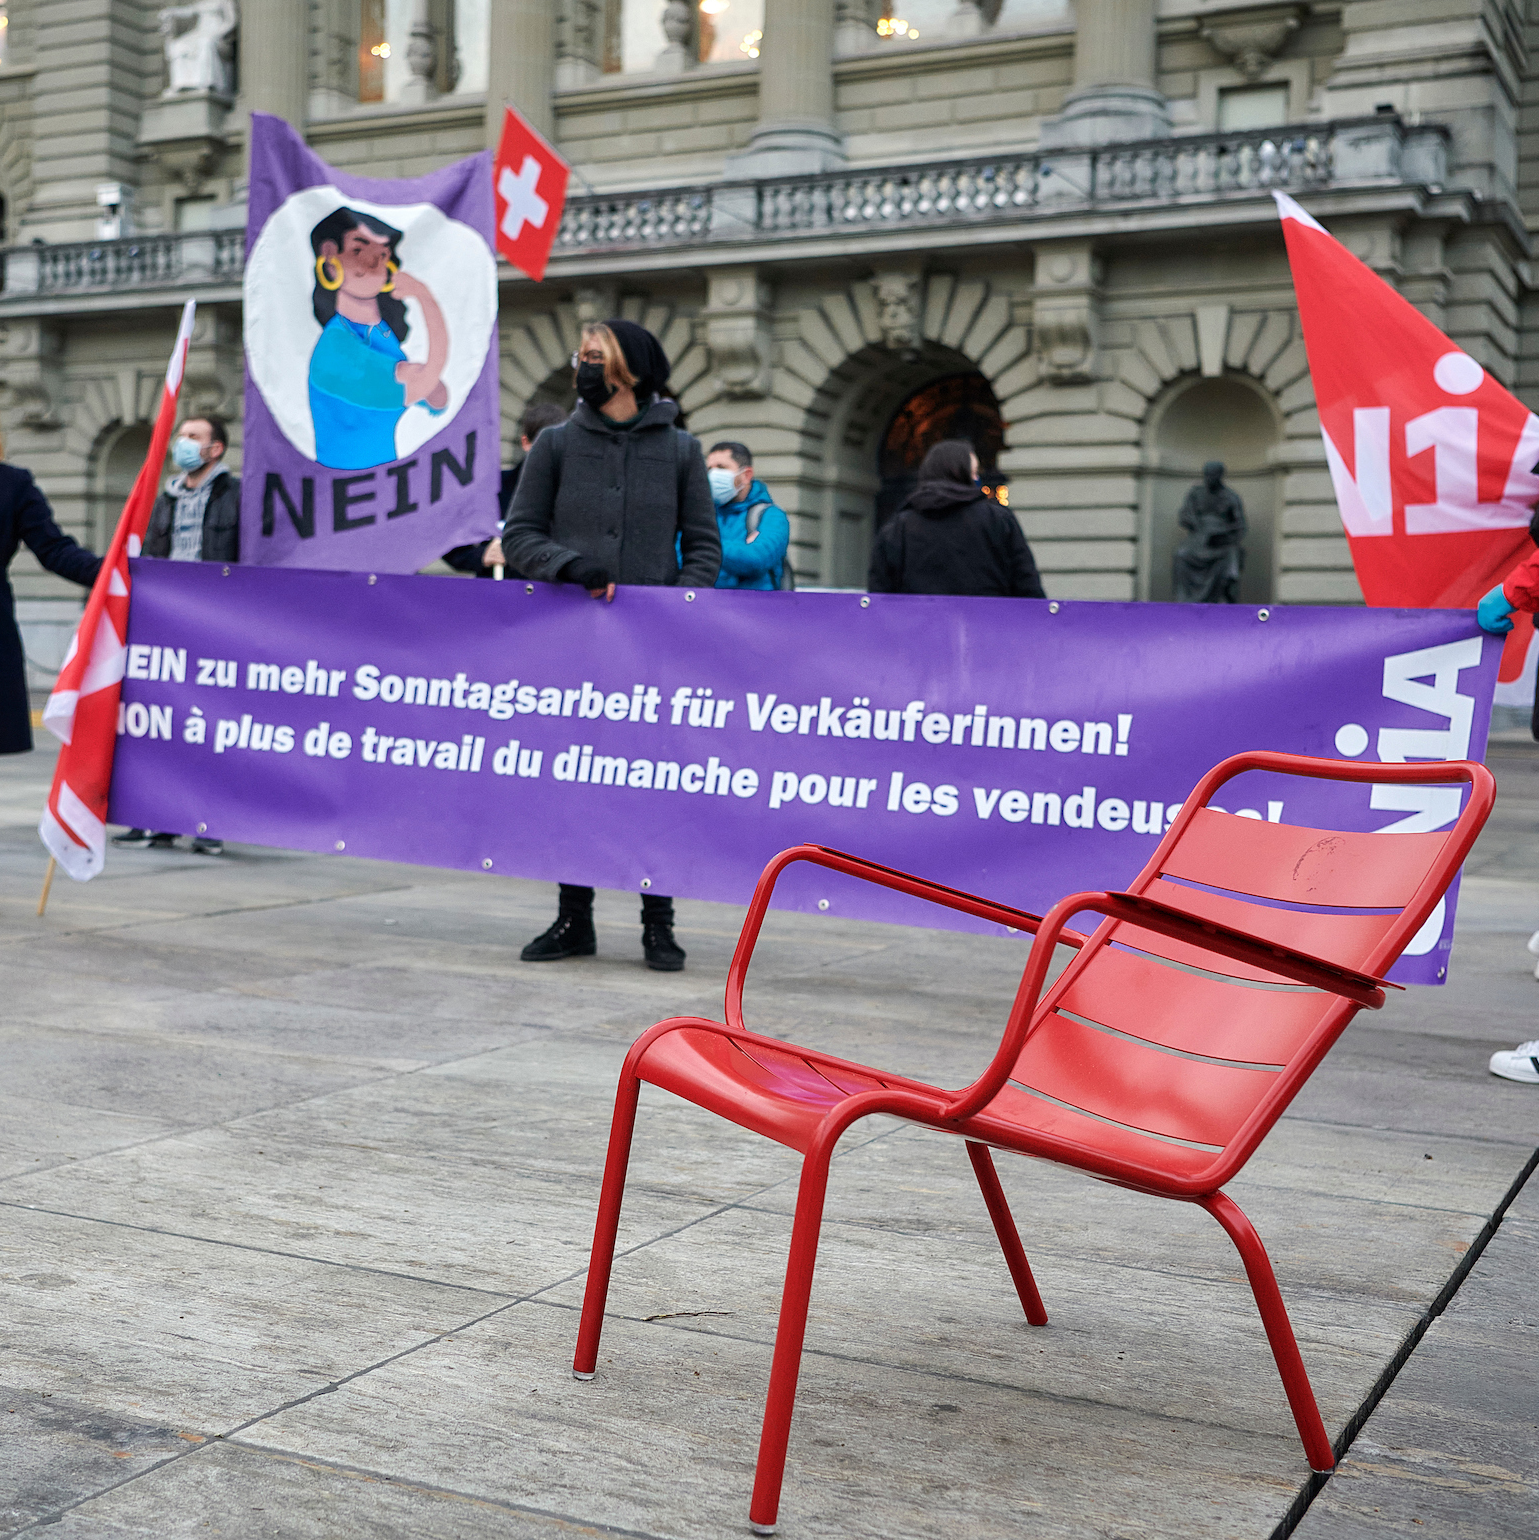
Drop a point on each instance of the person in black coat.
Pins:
(26, 516)
(617, 493)
(948, 538)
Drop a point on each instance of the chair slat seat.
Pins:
(1342, 938)
(1193, 1012)
(1138, 1085)
(1025, 1123)
(1296, 865)
(780, 1092)
(1159, 1059)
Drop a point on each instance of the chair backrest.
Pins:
(1195, 1052)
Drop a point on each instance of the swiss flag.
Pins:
(529, 179)
(83, 708)
(1432, 460)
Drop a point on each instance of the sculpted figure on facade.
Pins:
(1209, 562)
(200, 46)
(897, 301)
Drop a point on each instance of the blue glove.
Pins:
(1492, 612)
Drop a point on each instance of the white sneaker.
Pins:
(1520, 1063)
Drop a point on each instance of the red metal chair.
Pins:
(1149, 1063)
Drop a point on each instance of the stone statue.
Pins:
(200, 46)
(1208, 564)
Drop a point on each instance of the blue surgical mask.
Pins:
(187, 454)
(723, 485)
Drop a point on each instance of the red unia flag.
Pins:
(1432, 460)
(83, 709)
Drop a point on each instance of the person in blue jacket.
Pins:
(750, 557)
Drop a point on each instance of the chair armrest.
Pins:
(1211, 936)
(866, 871)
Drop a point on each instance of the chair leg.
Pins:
(606, 1227)
(791, 1332)
(1279, 1331)
(1009, 1236)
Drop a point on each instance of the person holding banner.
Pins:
(615, 495)
(26, 516)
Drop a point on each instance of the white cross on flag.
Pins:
(529, 179)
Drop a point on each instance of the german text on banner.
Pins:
(372, 412)
(674, 741)
(1432, 461)
(83, 710)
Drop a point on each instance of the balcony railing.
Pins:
(137, 262)
(995, 190)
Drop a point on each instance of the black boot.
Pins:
(572, 934)
(663, 953)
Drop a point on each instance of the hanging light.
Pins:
(713, 7)
(750, 44)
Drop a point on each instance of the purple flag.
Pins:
(674, 741)
(372, 408)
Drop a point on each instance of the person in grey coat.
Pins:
(615, 495)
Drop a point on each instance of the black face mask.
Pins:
(593, 387)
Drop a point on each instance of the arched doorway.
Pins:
(844, 455)
(1229, 419)
(955, 406)
(117, 468)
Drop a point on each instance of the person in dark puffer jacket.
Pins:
(949, 538)
(617, 494)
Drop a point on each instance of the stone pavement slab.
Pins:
(298, 1168)
(1452, 1447)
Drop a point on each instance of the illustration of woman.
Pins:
(361, 382)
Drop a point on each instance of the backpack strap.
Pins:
(755, 517)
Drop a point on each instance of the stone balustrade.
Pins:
(993, 190)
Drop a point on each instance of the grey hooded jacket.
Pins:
(221, 521)
(635, 500)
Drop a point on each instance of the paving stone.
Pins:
(298, 1167)
(1450, 1448)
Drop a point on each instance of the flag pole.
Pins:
(42, 902)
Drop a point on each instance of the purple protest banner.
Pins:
(674, 741)
(372, 410)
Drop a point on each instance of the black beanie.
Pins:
(644, 357)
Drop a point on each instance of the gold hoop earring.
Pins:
(392, 268)
(320, 275)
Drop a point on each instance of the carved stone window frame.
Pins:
(1296, 74)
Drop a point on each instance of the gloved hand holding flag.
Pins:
(1431, 459)
(83, 709)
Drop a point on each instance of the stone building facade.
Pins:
(855, 225)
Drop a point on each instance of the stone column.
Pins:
(796, 132)
(854, 26)
(1114, 99)
(579, 44)
(421, 85)
(275, 58)
(521, 52)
